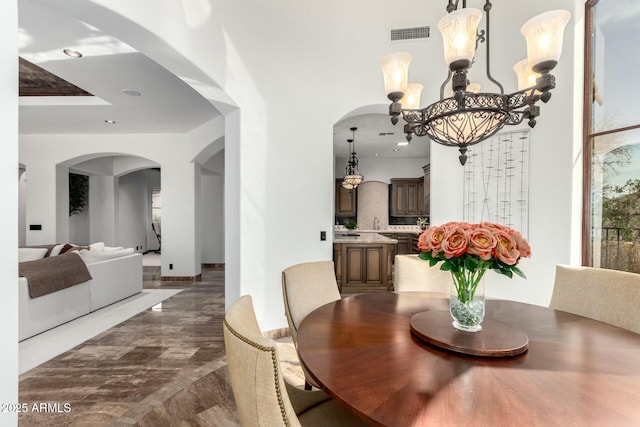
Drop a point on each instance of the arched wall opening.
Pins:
(111, 196)
(382, 155)
(117, 22)
(212, 203)
(119, 201)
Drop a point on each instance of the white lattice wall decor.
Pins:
(496, 181)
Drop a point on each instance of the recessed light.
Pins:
(72, 53)
(396, 149)
(131, 92)
(376, 154)
(402, 143)
(111, 122)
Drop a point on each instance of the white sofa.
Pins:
(116, 275)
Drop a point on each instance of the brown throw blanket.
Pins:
(48, 275)
(47, 247)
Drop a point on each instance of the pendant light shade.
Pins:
(411, 98)
(348, 185)
(526, 76)
(544, 34)
(459, 37)
(352, 180)
(395, 71)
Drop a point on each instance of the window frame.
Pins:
(587, 135)
(587, 123)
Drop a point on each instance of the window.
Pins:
(611, 230)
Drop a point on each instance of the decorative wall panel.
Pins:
(496, 181)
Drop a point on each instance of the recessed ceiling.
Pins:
(36, 81)
(108, 66)
(112, 70)
(376, 134)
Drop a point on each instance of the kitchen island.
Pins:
(363, 262)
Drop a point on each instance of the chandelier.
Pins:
(352, 176)
(468, 116)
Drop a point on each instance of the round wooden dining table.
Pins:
(576, 371)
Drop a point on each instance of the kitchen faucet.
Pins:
(376, 223)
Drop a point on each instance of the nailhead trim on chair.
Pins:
(274, 360)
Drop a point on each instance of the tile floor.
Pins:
(47, 345)
(159, 368)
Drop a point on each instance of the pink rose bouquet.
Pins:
(469, 250)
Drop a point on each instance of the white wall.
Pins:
(555, 174)
(133, 208)
(22, 207)
(233, 223)
(282, 132)
(107, 216)
(48, 154)
(79, 227)
(271, 144)
(9, 196)
(117, 212)
(103, 204)
(212, 219)
(213, 216)
(383, 169)
(152, 182)
(180, 207)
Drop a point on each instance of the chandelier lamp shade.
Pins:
(470, 116)
(352, 177)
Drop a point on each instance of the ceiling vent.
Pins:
(413, 33)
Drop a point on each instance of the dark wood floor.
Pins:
(159, 368)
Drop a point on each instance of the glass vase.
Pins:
(466, 300)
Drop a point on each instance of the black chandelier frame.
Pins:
(467, 118)
(352, 177)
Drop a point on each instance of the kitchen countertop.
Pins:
(412, 229)
(363, 237)
(389, 231)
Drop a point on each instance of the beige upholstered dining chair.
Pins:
(306, 287)
(414, 274)
(262, 396)
(609, 296)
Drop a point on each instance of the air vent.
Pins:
(385, 133)
(412, 33)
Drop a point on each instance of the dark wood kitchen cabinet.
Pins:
(345, 201)
(407, 242)
(413, 243)
(364, 267)
(407, 196)
(426, 190)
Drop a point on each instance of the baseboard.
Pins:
(181, 278)
(213, 265)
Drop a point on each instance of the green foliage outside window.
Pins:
(621, 207)
(78, 193)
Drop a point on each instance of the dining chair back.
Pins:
(306, 287)
(609, 296)
(263, 398)
(253, 367)
(414, 274)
